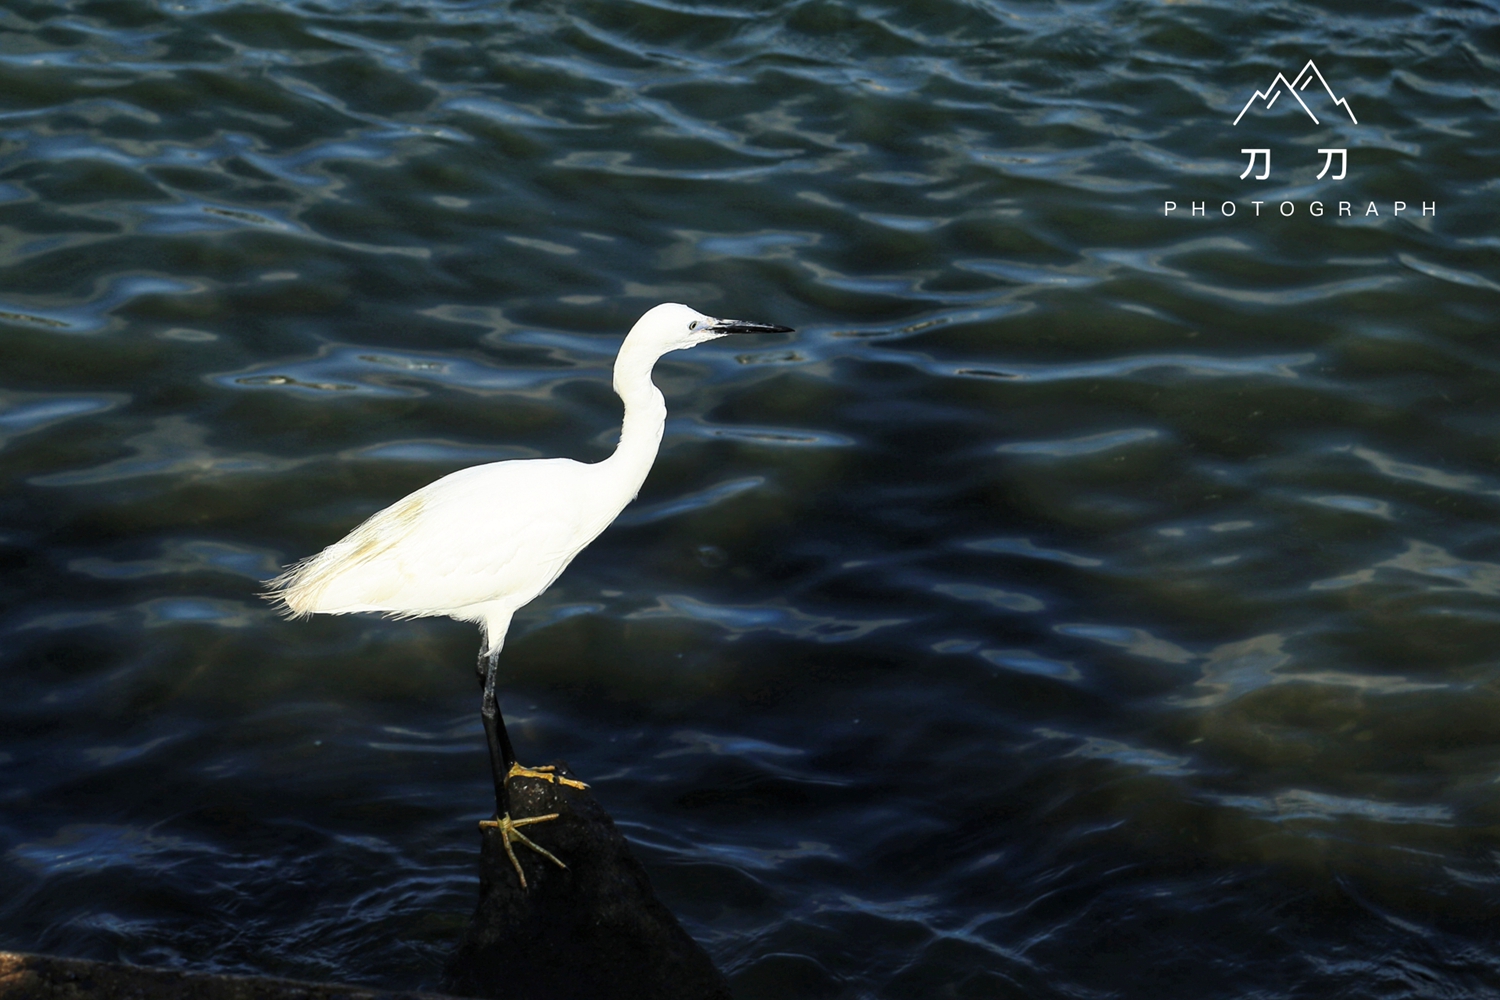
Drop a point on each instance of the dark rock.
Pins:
(594, 929)
(42, 977)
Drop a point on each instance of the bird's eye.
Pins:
(693, 325)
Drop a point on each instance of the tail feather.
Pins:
(302, 588)
(291, 592)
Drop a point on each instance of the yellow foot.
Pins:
(545, 772)
(509, 831)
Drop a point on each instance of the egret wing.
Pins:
(484, 534)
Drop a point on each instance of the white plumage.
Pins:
(474, 545)
(482, 542)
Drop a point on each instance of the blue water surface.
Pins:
(1090, 599)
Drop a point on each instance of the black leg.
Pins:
(503, 766)
(502, 755)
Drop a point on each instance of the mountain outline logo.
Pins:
(1286, 208)
(1302, 81)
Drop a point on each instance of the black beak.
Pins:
(740, 326)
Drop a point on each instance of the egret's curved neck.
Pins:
(645, 414)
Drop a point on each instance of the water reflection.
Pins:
(1083, 603)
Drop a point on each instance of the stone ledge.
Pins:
(41, 977)
(591, 931)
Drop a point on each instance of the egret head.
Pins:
(672, 326)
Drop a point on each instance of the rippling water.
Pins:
(1087, 601)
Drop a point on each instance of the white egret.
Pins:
(480, 543)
